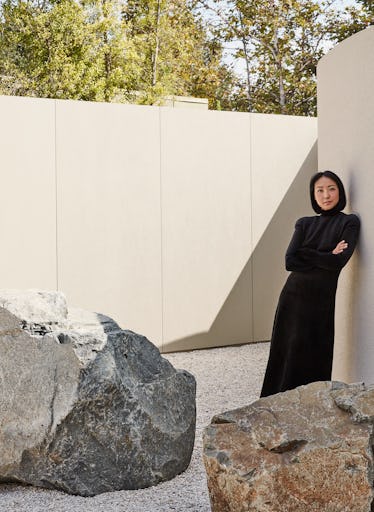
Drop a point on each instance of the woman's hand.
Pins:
(340, 247)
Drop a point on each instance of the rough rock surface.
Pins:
(309, 449)
(86, 407)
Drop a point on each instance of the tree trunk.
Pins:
(246, 56)
(278, 61)
(107, 56)
(157, 47)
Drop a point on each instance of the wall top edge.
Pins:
(281, 116)
(355, 39)
(162, 109)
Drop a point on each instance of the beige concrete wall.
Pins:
(284, 156)
(172, 221)
(206, 191)
(109, 217)
(27, 193)
(346, 144)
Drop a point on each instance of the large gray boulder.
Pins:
(305, 450)
(86, 407)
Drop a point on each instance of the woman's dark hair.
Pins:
(342, 199)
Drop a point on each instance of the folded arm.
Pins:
(300, 258)
(329, 260)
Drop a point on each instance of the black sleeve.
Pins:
(295, 260)
(328, 260)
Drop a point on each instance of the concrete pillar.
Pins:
(346, 145)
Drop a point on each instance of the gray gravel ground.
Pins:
(227, 378)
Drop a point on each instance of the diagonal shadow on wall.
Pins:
(247, 313)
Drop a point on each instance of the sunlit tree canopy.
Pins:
(255, 56)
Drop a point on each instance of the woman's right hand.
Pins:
(340, 247)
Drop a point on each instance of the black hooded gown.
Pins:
(302, 341)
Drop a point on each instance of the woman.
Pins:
(302, 342)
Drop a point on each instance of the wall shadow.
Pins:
(247, 313)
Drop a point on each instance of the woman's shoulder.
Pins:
(306, 221)
(350, 218)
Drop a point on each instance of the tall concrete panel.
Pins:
(280, 147)
(346, 144)
(109, 220)
(285, 158)
(206, 218)
(27, 193)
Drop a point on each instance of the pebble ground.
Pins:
(227, 378)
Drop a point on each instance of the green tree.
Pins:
(177, 57)
(355, 18)
(115, 62)
(44, 50)
(110, 50)
(279, 43)
(66, 49)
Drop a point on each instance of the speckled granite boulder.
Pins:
(306, 450)
(86, 407)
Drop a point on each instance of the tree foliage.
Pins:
(279, 43)
(177, 57)
(108, 50)
(141, 51)
(355, 18)
(43, 50)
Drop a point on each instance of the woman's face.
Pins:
(326, 193)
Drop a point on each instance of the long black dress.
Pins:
(302, 341)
